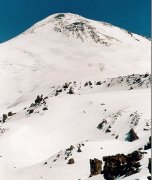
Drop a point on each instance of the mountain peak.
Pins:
(77, 27)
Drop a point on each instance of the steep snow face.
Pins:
(52, 51)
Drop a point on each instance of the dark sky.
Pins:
(18, 15)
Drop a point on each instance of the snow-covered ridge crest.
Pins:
(86, 30)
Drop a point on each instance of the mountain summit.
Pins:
(75, 102)
(78, 27)
(65, 47)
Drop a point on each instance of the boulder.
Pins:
(10, 113)
(79, 149)
(71, 161)
(95, 167)
(45, 109)
(132, 136)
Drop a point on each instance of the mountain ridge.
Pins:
(71, 94)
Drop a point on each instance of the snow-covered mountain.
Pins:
(73, 89)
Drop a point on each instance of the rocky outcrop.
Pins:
(95, 167)
(132, 136)
(121, 165)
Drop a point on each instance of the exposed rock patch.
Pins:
(121, 165)
(95, 167)
(132, 136)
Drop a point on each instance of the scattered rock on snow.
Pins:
(79, 149)
(45, 108)
(71, 161)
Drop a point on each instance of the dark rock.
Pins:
(135, 156)
(149, 177)
(59, 16)
(65, 86)
(38, 99)
(149, 165)
(146, 75)
(31, 111)
(132, 136)
(4, 118)
(95, 167)
(45, 163)
(86, 84)
(56, 93)
(108, 130)
(148, 145)
(143, 152)
(71, 147)
(145, 129)
(58, 156)
(101, 125)
(71, 91)
(90, 83)
(10, 113)
(117, 136)
(131, 88)
(32, 105)
(79, 149)
(59, 90)
(121, 165)
(71, 161)
(45, 109)
(98, 83)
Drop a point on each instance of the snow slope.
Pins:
(49, 57)
(107, 70)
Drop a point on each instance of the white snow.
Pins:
(41, 58)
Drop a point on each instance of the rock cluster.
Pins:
(117, 165)
(5, 116)
(40, 100)
(121, 165)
